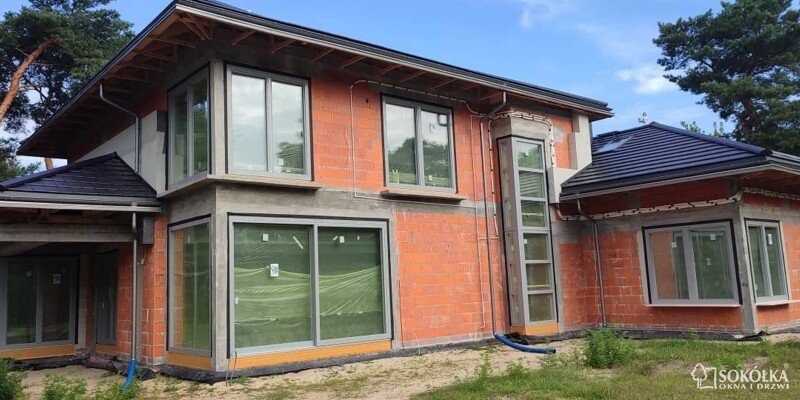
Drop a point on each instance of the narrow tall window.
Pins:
(190, 288)
(527, 230)
(766, 260)
(418, 140)
(268, 124)
(189, 128)
(691, 264)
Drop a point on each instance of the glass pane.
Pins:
(776, 274)
(711, 263)
(191, 279)
(56, 290)
(538, 276)
(535, 246)
(350, 283)
(200, 128)
(180, 144)
(540, 307)
(529, 155)
(531, 184)
(22, 289)
(754, 238)
(272, 284)
(248, 123)
(400, 144)
(436, 148)
(288, 129)
(533, 213)
(669, 265)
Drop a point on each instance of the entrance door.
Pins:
(106, 297)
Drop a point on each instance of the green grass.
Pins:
(659, 369)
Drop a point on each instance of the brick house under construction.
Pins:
(245, 195)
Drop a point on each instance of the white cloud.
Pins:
(649, 79)
(542, 10)
(629, 44)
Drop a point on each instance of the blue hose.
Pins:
(520, 347)
(131, 375)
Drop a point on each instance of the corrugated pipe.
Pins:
(136, 133)
(497, 335)
(597, 262)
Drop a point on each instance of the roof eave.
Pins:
(261, 24)
(673, 177)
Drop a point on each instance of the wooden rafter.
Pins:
(145, 67)
(489, 96)
(134, 78)
(467, 87)
(157, 56)
(277, 47)
(387, 69)
(320, 55)
(351, 61)
(205, 30)
(412, 76)
(444, 83)
(174, 40)
(242, 36)
(189, 21)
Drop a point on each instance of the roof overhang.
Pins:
(677, 177)
(143, 60)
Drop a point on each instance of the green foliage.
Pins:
(60, 387)
(84, 37)
(10, 166)
(113, 391)
(717, 130)
(745, 63)
(10, 381)
(606, 349)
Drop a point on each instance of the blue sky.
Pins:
(598, 49)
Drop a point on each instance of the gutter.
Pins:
(602, 190)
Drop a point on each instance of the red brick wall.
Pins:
(444, 293)
(626, 299)
(776, 317)
(152, 314)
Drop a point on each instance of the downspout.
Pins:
(134, 287)
(598, 262)
(497, 335)
(136, 133)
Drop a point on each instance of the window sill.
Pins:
(775, 303)
(260, 180)
(193, 183)
(422, 194)
(708, 305)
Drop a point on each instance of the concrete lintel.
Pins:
(52, 233)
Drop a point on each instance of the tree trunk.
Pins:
(48, 163)
(13, 88)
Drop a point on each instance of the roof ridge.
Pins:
(58, 170)
(725, 142)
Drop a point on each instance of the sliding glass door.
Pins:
(38, 304)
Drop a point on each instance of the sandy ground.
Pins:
(391, 378)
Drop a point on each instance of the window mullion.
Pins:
(315, 310)
(268, 125)
(691, 272)
(765, 267)
(189, 130)
(419, 143)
